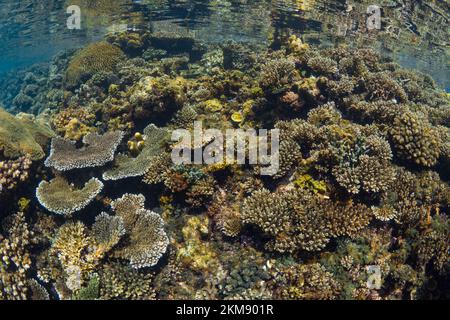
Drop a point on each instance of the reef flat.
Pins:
(93, 207)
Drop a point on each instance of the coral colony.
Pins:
(158, 167)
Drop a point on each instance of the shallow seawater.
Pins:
(224, 149)
(414, 33)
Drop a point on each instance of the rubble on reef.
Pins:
(363, 178)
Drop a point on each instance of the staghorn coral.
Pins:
(276, 75)
(58, 196)
(415, 140)
(96, 152)
(125, 166)
(13, 172)
(21, 136)
(145, 241)
(99, 56)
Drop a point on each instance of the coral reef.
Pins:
(15, 259)
(363, 176)
(415, 140)
(14, 172)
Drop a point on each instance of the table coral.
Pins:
(60, 197)
(125, 166)
(146, 240)
(97, 151)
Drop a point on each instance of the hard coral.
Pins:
(97, 151)
(415, 140)
(20, 136)
(15, 259)
(125, 166)
(60, 197)
(99, 56)
(146, 240)
(13, 172)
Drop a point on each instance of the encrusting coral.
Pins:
(96, 152)
(61, 197)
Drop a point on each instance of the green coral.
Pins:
(23, 135)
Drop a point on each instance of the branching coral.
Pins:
(300, 220)
(146, 240)
(99, 56)
(125, 166)
(15, 259)
(13, 172)
(77, 253)
(60, 197)
(277, 74)
(415, 140)
(119, 281)
(96, 152)
(73, 123)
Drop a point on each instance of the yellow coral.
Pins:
(196, 253)
(213, 105)
(307, 182)
(237, 117)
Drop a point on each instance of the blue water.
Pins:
(33, 31)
